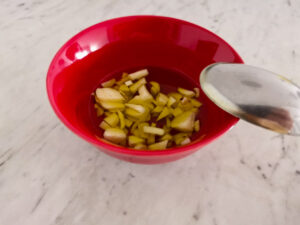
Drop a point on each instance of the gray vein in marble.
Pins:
(60, 215)
(38, 201)
(197, 213)
(128, 179)
(282, 156)
(6, 160)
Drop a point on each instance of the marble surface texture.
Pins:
(49, 176)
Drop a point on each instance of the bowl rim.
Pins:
(120, 149)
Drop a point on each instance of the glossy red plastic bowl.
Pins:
(174, 51)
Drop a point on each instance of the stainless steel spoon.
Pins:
(253, 94)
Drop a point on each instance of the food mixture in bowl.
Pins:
(136, 114)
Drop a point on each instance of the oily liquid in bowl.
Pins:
(169, 81)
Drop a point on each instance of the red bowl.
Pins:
(174, 51)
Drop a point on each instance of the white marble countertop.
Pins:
(49, 176)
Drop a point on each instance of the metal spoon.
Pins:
(253, 94)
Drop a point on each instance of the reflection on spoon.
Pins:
(276, 119)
